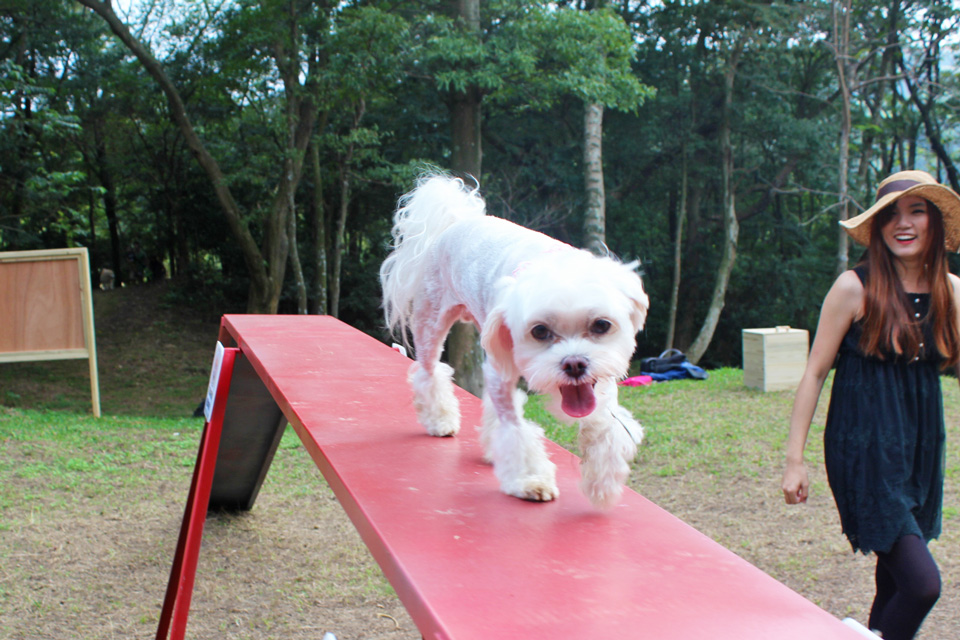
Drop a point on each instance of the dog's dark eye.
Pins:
(600, 327)
(541, 333)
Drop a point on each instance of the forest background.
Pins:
(253, 151)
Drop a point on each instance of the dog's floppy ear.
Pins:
(632, 287)
(498, 343)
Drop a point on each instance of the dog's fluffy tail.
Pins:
(437, 202)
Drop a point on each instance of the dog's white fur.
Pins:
(562, 318)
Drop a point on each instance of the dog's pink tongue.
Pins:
(577, 400)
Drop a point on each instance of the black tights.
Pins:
(908, 585)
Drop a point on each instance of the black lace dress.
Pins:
(884, 441)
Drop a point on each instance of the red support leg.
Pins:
(176, 604)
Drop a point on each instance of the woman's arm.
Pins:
(841, 306)
(955, 285)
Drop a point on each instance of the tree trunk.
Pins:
(295, 261)
(677, 253)
(845, 79)
(251, 253)
(293, 169)
(467, 155)
(318, 238)
(105, 176)
(594, 223)
(731, 228)
(338, 241)
(693, 290)
(463, 344)
(339, 234)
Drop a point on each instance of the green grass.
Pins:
(717, 426)
(54, 459)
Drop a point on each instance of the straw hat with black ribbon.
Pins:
(910, 183)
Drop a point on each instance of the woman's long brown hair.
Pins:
(888, 324)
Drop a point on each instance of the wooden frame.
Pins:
(46, 309)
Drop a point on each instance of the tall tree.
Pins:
(369, 62)
(846, 80)
(681, 219)
(595, 212)
(594, 223)
(731, 226)
(266, 265)
(318, 236)
(922, 77)
(464, 353)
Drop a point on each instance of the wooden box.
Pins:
(774, 359)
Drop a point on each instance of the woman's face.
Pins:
(907, 232)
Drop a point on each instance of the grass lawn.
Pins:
(90, 509)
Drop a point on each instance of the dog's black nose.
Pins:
(574, 366)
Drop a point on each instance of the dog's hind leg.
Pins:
(432, 380)
(513, 444)
(608, 442)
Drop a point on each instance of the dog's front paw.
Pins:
(537, 481)
(541, 493)
(535, 489)
(607, 448)
(520, 461)
(604, 487)
(440, 420)
(433, 398)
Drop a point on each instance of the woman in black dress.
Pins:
(893, 320)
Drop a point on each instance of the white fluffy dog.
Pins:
(562, 318)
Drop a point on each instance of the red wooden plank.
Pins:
(471, 563)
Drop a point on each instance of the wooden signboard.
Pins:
(46, 309)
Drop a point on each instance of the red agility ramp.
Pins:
(468, 562)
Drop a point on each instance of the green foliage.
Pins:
(367, 53)
(586, 54)
(532, 55)
(41, 172)
(205, 284)
(84, 128)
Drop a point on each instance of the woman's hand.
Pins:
(795, 483)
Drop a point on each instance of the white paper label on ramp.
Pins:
(214, 381)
